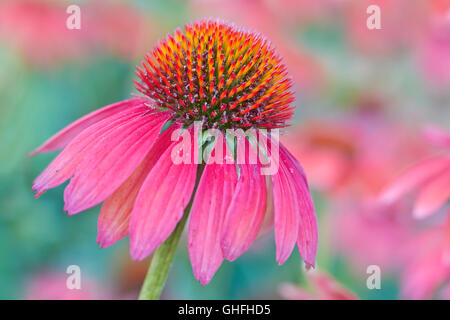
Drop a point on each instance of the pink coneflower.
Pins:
(37, 30)
(429, 267)
(434, 50)
(367, 237)
(50, 285)
(322, 287)
(217, 75)
(430, 178)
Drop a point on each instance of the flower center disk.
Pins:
(218, 74)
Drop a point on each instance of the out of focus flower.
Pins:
(222, 77)
(322, 287)
(394, 16)
(53, 286)
(37, 30)
(434, 52)
(430, 178)
(119, 28)
(327, 150)
(368, 237)
(429, 268)
(344, 156)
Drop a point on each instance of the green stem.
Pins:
(163, 256)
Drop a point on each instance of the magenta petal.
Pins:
(64, 165)
(245, 215)
(214, 193)
(111, 161)
(160, 204)
(414, 178)
(63, 137)
(113, 222)
(287, 216)
(308, 238)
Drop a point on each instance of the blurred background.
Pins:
(370, 104)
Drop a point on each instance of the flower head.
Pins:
(122, 155)
(218, 74)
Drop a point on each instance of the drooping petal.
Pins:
(308, 238)
(414, 177)
(287, 217)
(268, 222)
(245, 215)
(214, 193)
(63, 166)
(434, 195)
(113, 222)
(111, 161)
(63, 137)
(160, 203)
(295, 219)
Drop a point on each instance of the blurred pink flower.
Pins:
(53, 286)
(120, 155)
(429, 268)
(343, 157)
(368, 237)
(394, 16)
(119, 28)
(327, 150)
(430, 178)
(323, 287)
(434, 51)
(37, 29)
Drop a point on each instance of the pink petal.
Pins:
(434, 195)
(111, 161)
(210, 205)
(160, 204)
(245, 215)
(308, 238)
(287, 217)
(268, 222)
(414, 178)
(63, 137)
(115, 214)
(64, 165)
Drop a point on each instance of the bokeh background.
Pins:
(368, 103)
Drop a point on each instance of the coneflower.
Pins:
(220, 77)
